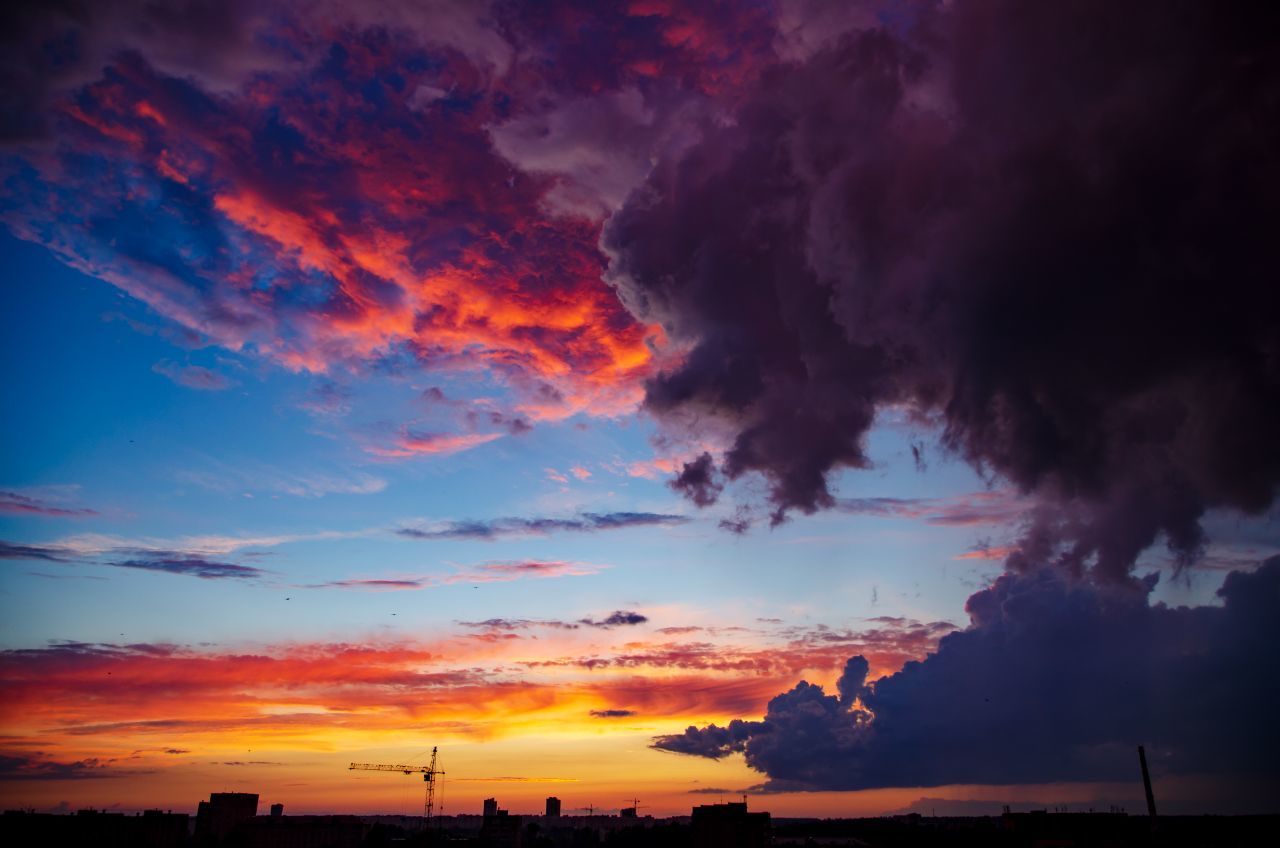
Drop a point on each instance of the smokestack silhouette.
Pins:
(1146, 782)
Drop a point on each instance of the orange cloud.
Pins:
(327, 692)
(652, 469)
(988, 552)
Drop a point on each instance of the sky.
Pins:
(862, 407)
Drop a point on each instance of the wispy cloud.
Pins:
(194, 376)
(33, 768)
(652, 469)
(177, 563)
(413, 443)
(516, 779)
(987, 552)
(506, 571)
(618, 618)
(486, 572)
(191, 563)
(327, 398)
(212, 545)
(969, 510)
(374, 584)
(18, 503)
(46, 553)
(272, 480)
(495, 528)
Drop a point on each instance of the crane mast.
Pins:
(428, 772)
(429, 805)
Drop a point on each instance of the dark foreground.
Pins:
(720, 828)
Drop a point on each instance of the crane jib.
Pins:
(428, 773)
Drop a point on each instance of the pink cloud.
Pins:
(416, 444)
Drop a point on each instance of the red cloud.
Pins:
(320, 243)
(116, 691)
(458, 685)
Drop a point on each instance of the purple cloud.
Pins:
(1055, 679)
(190, 565)
(16, 503)
(1058, 260)
(585, 522)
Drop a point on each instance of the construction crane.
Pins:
(429, 774)
(634, 808)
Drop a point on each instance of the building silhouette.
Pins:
(729, 826)
(500, 829)
(150, 829)
(300, 832)
(218, 816)
(553, 807)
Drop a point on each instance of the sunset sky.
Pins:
(561, 384)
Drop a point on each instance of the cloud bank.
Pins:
(1053, 680)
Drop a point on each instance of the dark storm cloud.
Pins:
(50, 48)
(55, 46)
(1054, 679)
(1049, 228)
(496, 528)
(192, 566)
(697, 481)
(711, 741)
